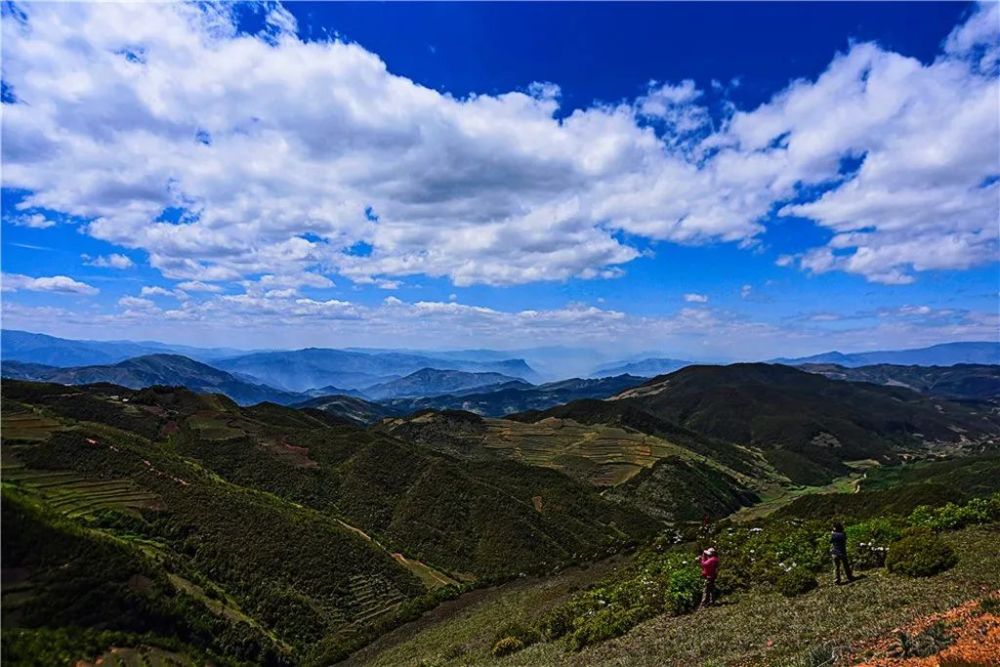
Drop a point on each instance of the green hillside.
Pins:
(664, 476)
(806, 425)
(263, 534)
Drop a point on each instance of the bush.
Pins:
(920, 553)
(506, 646)
(557, 623)
(523, 633)
(605, 624)
(990, 606)
(951, 516)
(871, 540)
(795, 582)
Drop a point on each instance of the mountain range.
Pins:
(647, 367)
(154, 369)
(945, 354)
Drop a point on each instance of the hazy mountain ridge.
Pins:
(515, 397)
(38, 348)
(649, 367)
(432, 382)
(944, 354)
(155, 369)
(301, 370)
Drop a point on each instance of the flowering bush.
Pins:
(952, 516)
(668, 583)
(870, 541)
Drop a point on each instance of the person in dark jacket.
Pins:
(709, 562)
(838, 550)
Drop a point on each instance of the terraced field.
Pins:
(373, 596)
(599, 455)
(76, 496)
(23, 423)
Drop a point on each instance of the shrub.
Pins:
(871, 540)
(920, 553)
(929, 642)
(506, 646)
(604, 624)
(557, 623)
(951, 516)
(990, 605)
(519, 631)
(683, 590)
(795, 582)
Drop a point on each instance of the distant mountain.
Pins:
(517, 396)
(551, 362)
(154, 369)
(38, 348)
(961, 381)
(434, 382)
(945, 354)
(649, 367)
(301, 370)
(804, 424)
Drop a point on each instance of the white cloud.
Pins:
(746, 291)
(198, 286)
(112, 261)
(33, 220)
(134, 303)
(296, 154)
(156, 291)
(693, 297)
(13, 282)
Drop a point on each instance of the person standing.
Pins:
(709, 562)
(838, 550)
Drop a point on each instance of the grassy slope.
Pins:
(734, 633)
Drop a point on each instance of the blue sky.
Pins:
(705, 180)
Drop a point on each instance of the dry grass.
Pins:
(755, 628)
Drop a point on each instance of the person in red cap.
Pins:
(709, 562)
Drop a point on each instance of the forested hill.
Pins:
(263, 534)
(806, 425)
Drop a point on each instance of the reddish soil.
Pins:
(975, 642)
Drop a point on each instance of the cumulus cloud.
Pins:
(694, 297)
(14, 282)
(156, 290)
(34, 221)
(112, 261)
(135, 303)
(198, 286)
(313, 157)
